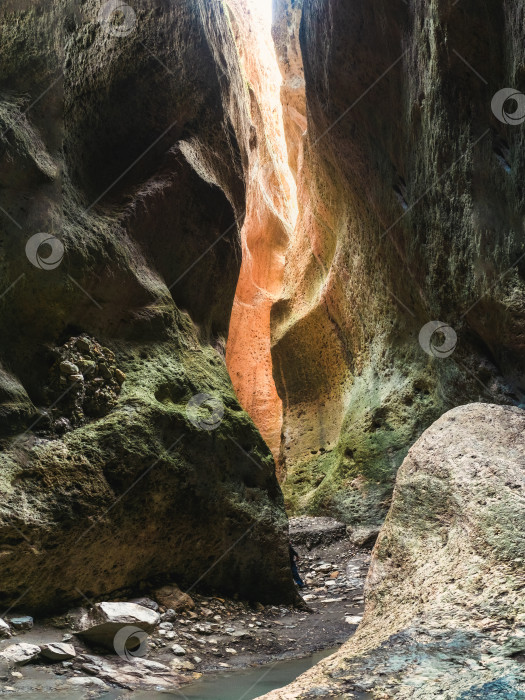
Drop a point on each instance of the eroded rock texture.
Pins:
(411, 211)
(285, 32)
(126, 137)
(271, 212)
(445, 611)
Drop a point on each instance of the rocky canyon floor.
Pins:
(216, 636)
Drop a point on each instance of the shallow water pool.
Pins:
(233, 685)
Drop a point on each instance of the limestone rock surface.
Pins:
(445, 611)
(410, 212)
(124, 144)
(100, 624)
(57, 651)
(20, 654)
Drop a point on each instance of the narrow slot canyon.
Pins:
(262, 349)
(271, 215)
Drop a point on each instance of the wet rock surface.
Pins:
(216, 635)
(445, 611)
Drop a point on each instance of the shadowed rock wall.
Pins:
(411, 211)
(124, 137)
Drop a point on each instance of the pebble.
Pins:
(86, 680)
(20, 654)
(153, 665)
(181, 664)
(178, 650)
(324, 567)
(83, 344)
(170, 615)
(148, 603)
(68, 368)
(353, 619)
(22, 623)
(120, 376)
(5, 630)
(58, 652)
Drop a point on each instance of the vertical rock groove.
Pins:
(271, 212)
(409, 213)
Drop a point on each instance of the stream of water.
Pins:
(234, 685)
(244, 685)
(248, 684)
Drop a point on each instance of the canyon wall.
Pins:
(126, 457)
(271, 212)
(403, 292)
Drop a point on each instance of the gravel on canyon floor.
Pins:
(213, 634)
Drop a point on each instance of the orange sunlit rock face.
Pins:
(270, 219)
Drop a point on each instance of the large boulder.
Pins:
(314, 532)
(56, 651)
(172, 598)
(445, 610)
(20, 654)
(102, 622)
(125, 455)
